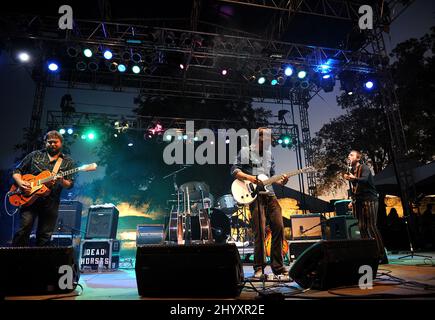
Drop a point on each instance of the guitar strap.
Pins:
(57, 165)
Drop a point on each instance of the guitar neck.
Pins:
(276, 178)
(62, 174)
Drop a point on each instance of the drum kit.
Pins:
(196, 216)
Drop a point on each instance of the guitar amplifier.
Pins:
(307, 226)
(101, 254)
(69, 219)
(342, 227)
(102, 222)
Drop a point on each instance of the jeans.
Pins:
(46, 210)
(269, 208)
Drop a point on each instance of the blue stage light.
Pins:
(108, 54)
(274, 82)
(135, 69)
(302, 74)
(288, 71)
(261, 80)
(121, 67)
(369, 85)
(53, 66)
(88, 53)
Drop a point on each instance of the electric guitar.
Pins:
(245, 192)
(18, 197)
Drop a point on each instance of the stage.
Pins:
(400, 279)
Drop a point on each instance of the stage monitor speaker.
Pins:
(334, 263)
(307, 226)
(206, 270)
(69, 219)
(102, 222)
(342, 227)
(36, 270)
(341, 207)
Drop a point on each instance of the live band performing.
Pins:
(243, 150)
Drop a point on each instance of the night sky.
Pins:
(17, 90)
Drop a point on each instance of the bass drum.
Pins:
(220, 225)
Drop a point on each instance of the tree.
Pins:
(364, 125)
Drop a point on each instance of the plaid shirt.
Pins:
(38, 161)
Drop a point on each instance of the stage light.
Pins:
(326, 76)
(302, 74)
(180, 137)
(280, 141)
(181, 66)
(72, 51)
(274, 82)
(135, 69)
(107, 54)
(224, 72)
(23, 56)
(87, 53)
(91, 136)
(113, 67)
(369, 85)
(324, 68)
(53, 66)
(93, 66)
(281, 80)
(195, 139)
(136, 57)
(168, 137)
(227, 141)
(286, 140)
(62, 131)
(81, 66)
(350, 93)
(121, 67)
(185, 137)
(288, 71)
(115, 135)
(130, 144)
(83, 137)
(70, 131)
(126, 55)
(261, 80)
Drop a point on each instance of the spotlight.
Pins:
(136, 57)
(179, 137)
(126, 55)
(81, 66)
(350, 93)
(70, 131)
(23, 56)
(168, 137)
(224, 72)
(87, 53)
(108, 54)
(93, 66)
(181, 66)
(135, 69)
(62, 131)
(185, 137)
(274, 82)
(130, 144)
(302, 74)
(326, 76)
(288, 71)
(83, 137)
(369, 85)
(91, 136)
(72, 51)
(115, 135)
(261, 80)
(285, 140)
(121, 67)
(53, 66)
(113, 67)
(324, 68)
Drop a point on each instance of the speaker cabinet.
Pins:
(342, 207)
(307, 226)
(102, 222)
(35, 270)
(334, 263)
(69, 219)
(342, 227)
(206, 270)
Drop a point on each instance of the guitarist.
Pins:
(45, 208)
(265, 205)
(364, 201)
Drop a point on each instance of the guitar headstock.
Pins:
(88, 167)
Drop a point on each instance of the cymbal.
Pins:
(194, 189)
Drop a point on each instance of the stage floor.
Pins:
(403, 279)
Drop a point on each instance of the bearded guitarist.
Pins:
(266, 205)
(364, 200)
(45, 208)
